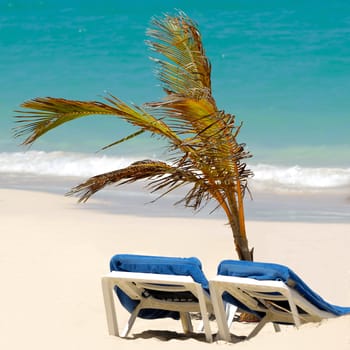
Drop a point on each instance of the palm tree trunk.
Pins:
(241, 243)
(237, 223)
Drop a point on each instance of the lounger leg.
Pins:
(230, 311)
(200, 327)
(258, 328)
(294, 311)
(108, 297)
(131, 321)
(204, 313)
(186, 322)
(277, 327)
(219, 310)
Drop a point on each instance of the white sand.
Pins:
(53, 253)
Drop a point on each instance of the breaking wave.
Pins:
(86, 165)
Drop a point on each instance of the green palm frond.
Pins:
(48, 113)
(126, 138)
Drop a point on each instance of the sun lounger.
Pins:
(272, 292)
(153, 287)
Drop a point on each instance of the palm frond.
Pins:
(189, 107)
(139, 117)
(186, 69)
(210, 133)
(126, 138)
(48, 113)
(146, 169)
(185, 113)
(161, 176)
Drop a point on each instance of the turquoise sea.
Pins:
(282, 67)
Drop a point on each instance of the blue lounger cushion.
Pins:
(267, 271)
(158, 265)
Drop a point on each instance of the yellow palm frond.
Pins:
(211, 135)
(186, 69)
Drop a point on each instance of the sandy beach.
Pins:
(53, 253)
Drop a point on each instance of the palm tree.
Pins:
(202, 140)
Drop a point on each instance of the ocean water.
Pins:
(282, 67)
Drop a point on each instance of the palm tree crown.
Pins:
(202, 139)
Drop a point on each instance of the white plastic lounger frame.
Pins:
(262, 296)
(134, 284)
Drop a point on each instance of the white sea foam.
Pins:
(60, 163)
(296, 177)
(80, 164)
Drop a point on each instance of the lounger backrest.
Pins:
(275, 272)
(157, 265)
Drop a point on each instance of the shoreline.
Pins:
(326, 205)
